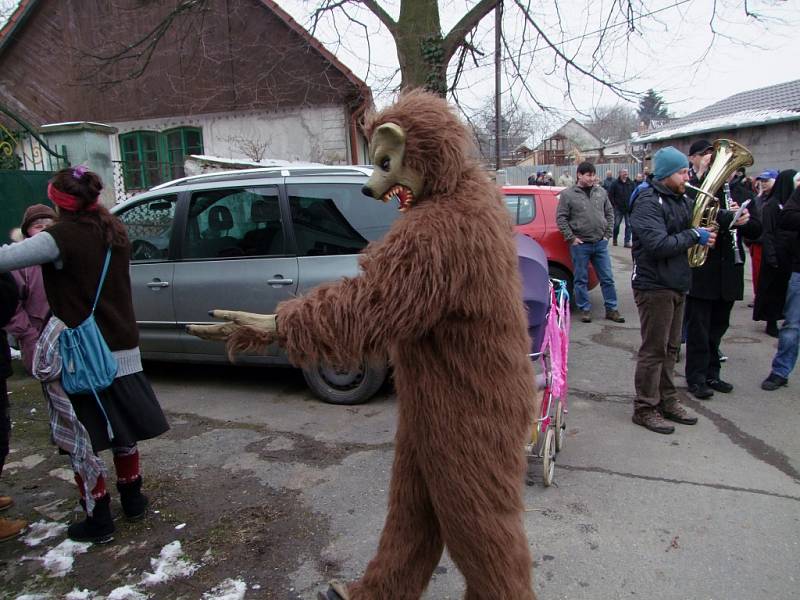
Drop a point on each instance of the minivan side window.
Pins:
(149, 225)
(332, 219)
(521, 207)
(234, 222)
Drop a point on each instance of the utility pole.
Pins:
(498, 23)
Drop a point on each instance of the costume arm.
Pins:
(647, 221)
(408, 283)
(562, 216)
(36, 250)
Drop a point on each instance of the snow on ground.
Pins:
(77, 594)
(42, 530)
(34, 597)
(27, 462)
(169, 565)
(60, 559)
(127, 592)
(230, 589)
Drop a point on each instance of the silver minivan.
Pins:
(246, 240)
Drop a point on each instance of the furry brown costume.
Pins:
(440, 295)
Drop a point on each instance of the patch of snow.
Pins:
(169, 565)
(230, 589)
(77, 594)
(60, 559)
(34, 597)
(181, 526)
(27, 462)
(42, 530)
(264, 162)
(64, 474)
(126, 592)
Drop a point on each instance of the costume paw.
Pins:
(235, 320)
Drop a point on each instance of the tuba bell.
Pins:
(728, 157)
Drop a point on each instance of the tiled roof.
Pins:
(761, 106)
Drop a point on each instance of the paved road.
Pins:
(711, 512)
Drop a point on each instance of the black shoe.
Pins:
(97, 528)
(773, 382)
(134, 503)
(719, 385)
(700, 391)
(772, 329)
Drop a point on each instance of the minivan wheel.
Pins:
(337, 386)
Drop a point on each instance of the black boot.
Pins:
(134, 503)
(97, 528)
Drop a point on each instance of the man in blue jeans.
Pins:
(586, 220)
(789, 333)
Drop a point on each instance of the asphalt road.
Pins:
(711, 512)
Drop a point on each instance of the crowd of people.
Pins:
(49, 281)
(678, 302)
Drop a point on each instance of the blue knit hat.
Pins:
(667, 161)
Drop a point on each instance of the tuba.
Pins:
(728, 156)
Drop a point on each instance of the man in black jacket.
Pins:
(8, 305)
(715, 286)
(620, 194)
(661, 220)
(789, 334)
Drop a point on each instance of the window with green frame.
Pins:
(152, 157)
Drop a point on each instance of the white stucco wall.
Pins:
(305, 134)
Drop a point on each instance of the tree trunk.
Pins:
(419, 46)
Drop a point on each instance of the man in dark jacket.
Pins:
(661, 220)
(620, 194)
(715, 286)
(789, 334)
(8, 304)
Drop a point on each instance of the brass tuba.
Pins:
(728, 156)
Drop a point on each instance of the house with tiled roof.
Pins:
(228, 78)
(765, 120)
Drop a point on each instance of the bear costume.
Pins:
(440, 295)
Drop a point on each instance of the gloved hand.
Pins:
(703, 235)
(236, 320)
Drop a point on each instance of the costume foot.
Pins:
(336, 591)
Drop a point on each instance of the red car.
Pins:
(533, 210)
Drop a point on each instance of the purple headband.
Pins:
(79, 171)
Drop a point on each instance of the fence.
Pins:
(519, 175)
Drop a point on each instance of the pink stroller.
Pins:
(547, 303)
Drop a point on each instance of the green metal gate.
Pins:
(27, 162)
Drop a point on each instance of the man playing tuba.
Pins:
(719, 281)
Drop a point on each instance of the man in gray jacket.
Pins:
(586, 220)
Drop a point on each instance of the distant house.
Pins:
(766, 120)
(569, 144)
(234, 78)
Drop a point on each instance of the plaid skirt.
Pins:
(132, 408)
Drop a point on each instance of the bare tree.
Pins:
(253, 146)
(518, 127)
(613, 123)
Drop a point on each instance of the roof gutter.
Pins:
(656, 137)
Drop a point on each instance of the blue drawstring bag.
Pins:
(87, 365)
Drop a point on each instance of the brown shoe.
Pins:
(5, 502)
(11, 528)
(613, 315)
(586, 316)
(651, 419)
(675, 412)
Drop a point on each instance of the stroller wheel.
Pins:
(561, 426)
(549, 457)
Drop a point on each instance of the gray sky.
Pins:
(747, 53)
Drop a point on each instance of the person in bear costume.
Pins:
(440, 295)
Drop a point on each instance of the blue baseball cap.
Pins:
(768, 174)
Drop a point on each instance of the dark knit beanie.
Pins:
(667, 161)
(37, 211)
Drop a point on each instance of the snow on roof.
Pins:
(737, 120)
(264, 162)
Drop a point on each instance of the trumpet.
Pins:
(728, 156)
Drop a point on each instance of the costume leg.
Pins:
(580, 274)
(698, 317)
(602, 266)
(411, 544)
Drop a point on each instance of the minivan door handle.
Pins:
(276, 281)
(156, 283)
